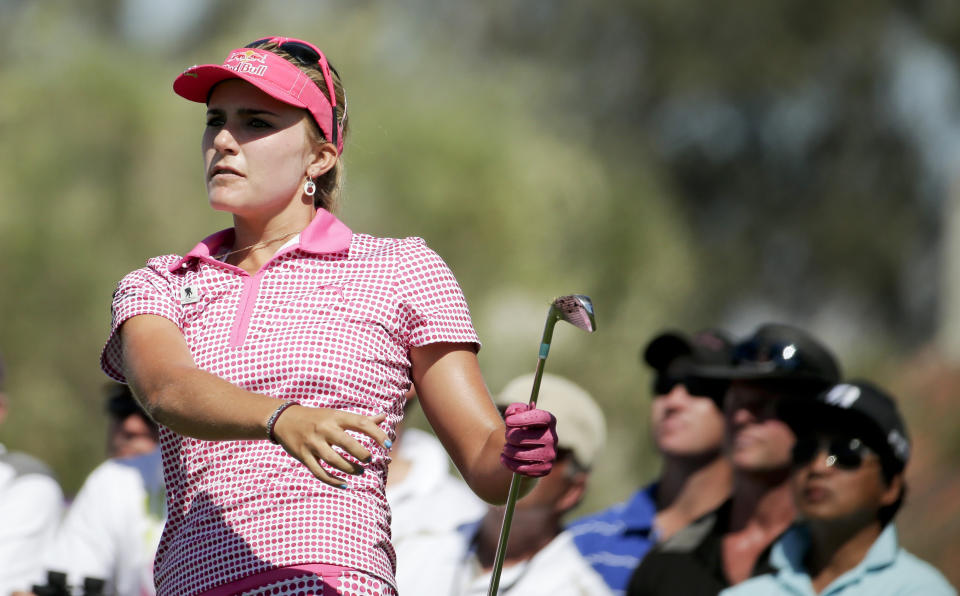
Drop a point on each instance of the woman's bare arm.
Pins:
(457, 404)
(192, 402)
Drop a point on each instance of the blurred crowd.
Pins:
(103, 540)
(778, 476)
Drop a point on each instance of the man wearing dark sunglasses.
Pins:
(687, 427)
(732, 542)
(848, 484)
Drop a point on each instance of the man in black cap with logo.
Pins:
(848, 484)
(732, 543)
(687, 426)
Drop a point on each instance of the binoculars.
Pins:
(57, 586)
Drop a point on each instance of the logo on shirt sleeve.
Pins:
(118, 297)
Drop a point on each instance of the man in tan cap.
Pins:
(540, 557)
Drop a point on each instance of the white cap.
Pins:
(581, 427)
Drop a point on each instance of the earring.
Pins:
(309, 188)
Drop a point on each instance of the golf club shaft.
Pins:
(516, 479)
(504, 534)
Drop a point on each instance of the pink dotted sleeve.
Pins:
(433, 307)
(144, 291)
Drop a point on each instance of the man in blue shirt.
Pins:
(687, 427)
(847, 483)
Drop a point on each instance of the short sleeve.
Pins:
(433, 307)
(147, 291)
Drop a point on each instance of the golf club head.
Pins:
(577, 310)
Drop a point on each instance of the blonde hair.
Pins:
(330, 183)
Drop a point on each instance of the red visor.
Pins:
(273, 75)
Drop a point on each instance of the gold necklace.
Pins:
(224, 256)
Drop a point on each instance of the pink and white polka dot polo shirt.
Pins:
(328, 322)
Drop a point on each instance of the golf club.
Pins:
(577, 310)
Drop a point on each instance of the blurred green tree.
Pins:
(685, 165)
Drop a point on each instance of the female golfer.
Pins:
(276, 353)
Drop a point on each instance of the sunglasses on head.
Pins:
(307, 54)
(844, 453)
(785, 356)
(712, 388)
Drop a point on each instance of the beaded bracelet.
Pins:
(272, 421)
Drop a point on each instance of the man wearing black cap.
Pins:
(732, 542)
(131, 431)
(687, 427)
(848, 484)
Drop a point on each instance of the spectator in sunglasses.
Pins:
(732, 542)
(276, 353)
(687, 427)
(130, 432)
(848, 484)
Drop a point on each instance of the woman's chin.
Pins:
(220, 203)
(220, 206)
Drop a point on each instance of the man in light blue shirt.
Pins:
(848, 484)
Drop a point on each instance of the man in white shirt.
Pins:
(424, 496)
(112, 528)
(540, 558)
(31, 504)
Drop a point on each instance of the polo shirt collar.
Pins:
(884, 550)
(325, 234)
(789, 552)
(640, 511)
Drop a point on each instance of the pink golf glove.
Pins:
(531, 446)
